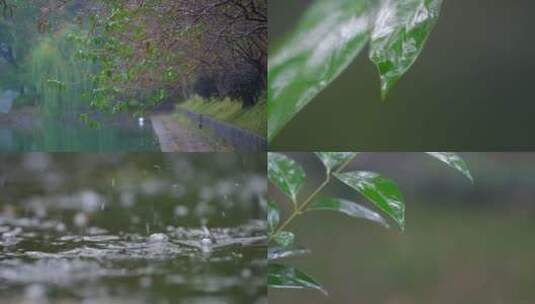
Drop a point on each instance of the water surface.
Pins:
(133, 228)
(71, 135)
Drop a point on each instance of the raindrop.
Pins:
(205, 230)
(206, 241)
(60, 227)
(90, 200)
(246, 273)
(158, 238)
(206, 245)
(181, 211)
(80, 219)
(127, 199)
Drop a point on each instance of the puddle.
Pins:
(148, 228)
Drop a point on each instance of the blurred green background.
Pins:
(464, 243)
(470, 90)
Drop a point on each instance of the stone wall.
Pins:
(240, 139)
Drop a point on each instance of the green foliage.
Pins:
(285, 174)
(135, 71)
(382, 192)
(7, 9)
(332, 160)
(398, 35)
(329, 37)
(288, 176)
(285, 276)
(24, 100)
(6, 32)
(58, 77)
(140, 54)
(18, 34)
(453, 160)
(231, 111)
(348, 208)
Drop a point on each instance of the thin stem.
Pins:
(302, 207)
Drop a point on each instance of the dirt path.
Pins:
(175, 137)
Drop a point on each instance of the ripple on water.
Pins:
(103, 229)
(202, 264)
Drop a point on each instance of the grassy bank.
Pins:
(252, 119)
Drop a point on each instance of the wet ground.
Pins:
(180, 137)
(143, 228)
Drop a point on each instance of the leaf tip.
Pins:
(401, 224)
(384, 91)
(386, 86)
(468, 175)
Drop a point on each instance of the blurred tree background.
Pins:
(463, 243)
(142, 52)
(470, 89)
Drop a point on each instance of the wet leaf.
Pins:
(286, 174)
(398, 36)
(285, 276)
(347, 207)
(332, 160)
(382, 192)
(453, 160)
(330, 35)
(273, 214)
(284, 239)
(277, 252)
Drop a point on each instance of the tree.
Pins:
(150, 50)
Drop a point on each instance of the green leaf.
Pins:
(453, 160)
(347, 207)
(382, 192)
(284, 239)
(273, 216)
(330, 35)
(285, 276)
(286, 174)
(332, 160)
(398, 36)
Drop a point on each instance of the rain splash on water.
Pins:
(141, 228)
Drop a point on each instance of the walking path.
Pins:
(174, 137)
